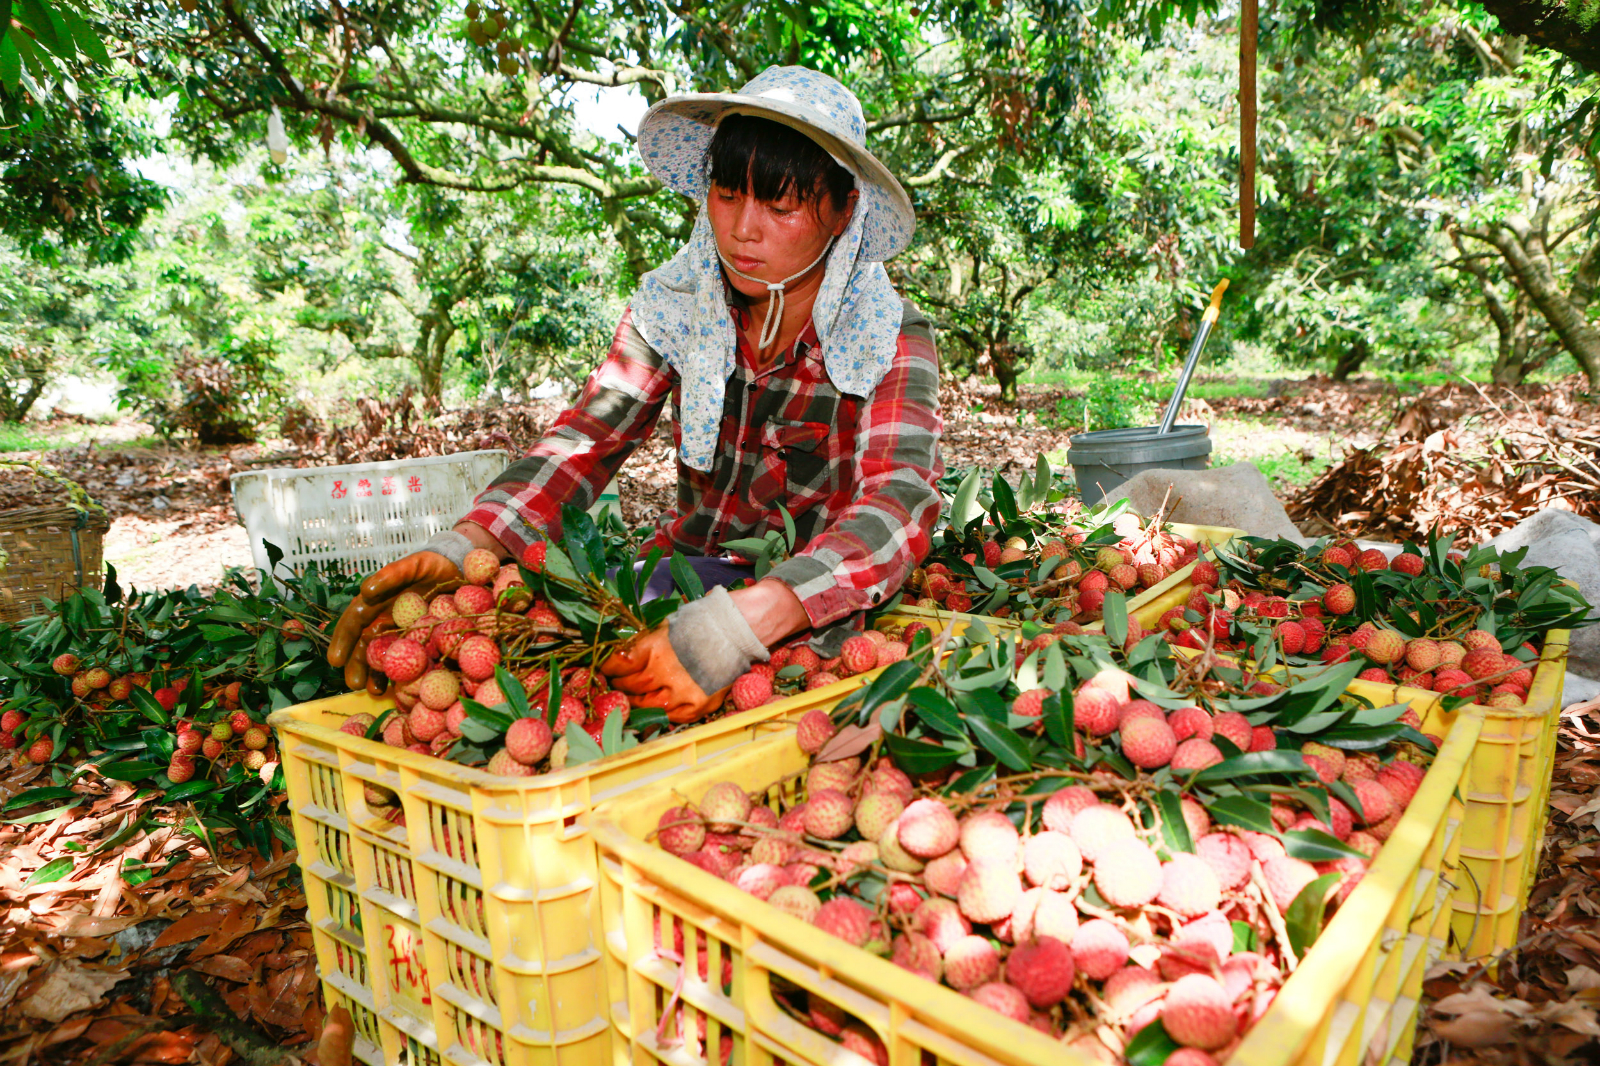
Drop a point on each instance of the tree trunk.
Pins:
(1521, 243)
(1350, 359)
(1003, 358)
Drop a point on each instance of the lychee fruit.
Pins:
(989, 890)
(1042, 970)
(1189, 722)
(1188, 885)
(1051, 860)
(65, 664)
(1127, 873)
(180, 768)
(874, 813)
(529, 740)
(1030, 704)
(857, 655)
(404, 661)
(1339, 599)
(1096, 712)
(941, 921)
(969, 962)
(1385, 646)
(477, 656)
(846, 919)
(255, 738)
(724, 805)
(813, 731)
(1148, 743)
(916, 953)
(751, 690)
(1198, 1013)
(943, 875)
(1099, 949)
(989, 836)
(1227, 856)
(1285, 878)
(829, 814)
(1377, 802)
(1195, 754)
(796, 900)
(1063, 804)
(928, 829)
(1003, 998)
(1094, 829)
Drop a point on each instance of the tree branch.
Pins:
(934, 173)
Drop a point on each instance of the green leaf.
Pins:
(935, 709)
(552, 704)
(40, 795)
(499, 721)
(1150, 1047)
(10, 64)
(1055, 668)
(1253, 764)
(1116, 618)
(1001, 742)
(894, 682)
(51, 871)
(1059, 719)
(964, 505)
(1313, 845)
(1244, 937)
(130, 770)
(1174, 827)
(511, 688)
(1304, 918)
(148, 707)
(89, 44)
(1005, 502)
(611, 734)
(188, 789)
(581, 747)
(1242, 811)
(683, 576)
(918, 756)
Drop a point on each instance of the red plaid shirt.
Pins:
(858, 476)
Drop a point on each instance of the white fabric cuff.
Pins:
(712, 640)
(450, 544)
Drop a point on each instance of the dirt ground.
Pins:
(173, 522)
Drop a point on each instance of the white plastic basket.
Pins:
(361, 516)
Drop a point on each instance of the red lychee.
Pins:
(1096, 828)
(1051, 860)
(1099, 949)
(858, 655)
(969, 962)
(1042, 970)
(1148, 743)
(1339, 599)
(1198, 1013)
(1285, 878)
(1188, 885)
(846, 919)
(989, 890)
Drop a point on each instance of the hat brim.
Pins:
(674, 135)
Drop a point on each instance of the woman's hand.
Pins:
(686, 665)
(422, 572)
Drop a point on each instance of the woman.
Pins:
(798, 376)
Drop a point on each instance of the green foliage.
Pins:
(269, 642)
(217, 398)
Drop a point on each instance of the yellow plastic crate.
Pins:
(1352, 1001)
(471, 933)
(1506, 795)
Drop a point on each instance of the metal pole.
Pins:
(1206, 321)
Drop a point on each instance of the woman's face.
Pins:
(771, 239)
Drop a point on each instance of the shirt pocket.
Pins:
(796, 467)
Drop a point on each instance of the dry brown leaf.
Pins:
(70, 986)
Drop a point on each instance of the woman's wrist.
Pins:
(482, 538)
(772, 609)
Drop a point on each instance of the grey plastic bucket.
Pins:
(1103, 460)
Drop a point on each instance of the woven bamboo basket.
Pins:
(49, 551)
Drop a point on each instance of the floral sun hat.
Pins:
(681, 309)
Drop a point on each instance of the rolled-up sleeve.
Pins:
(865, 554)
(582, 451)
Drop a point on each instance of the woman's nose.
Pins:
(747, 220)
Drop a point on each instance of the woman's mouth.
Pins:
(745, 263)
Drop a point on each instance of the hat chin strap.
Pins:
(774, 321)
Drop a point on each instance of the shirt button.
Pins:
(751, 386)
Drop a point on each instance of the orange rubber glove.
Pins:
(421, 571)
(704, 646)
(648, 670)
